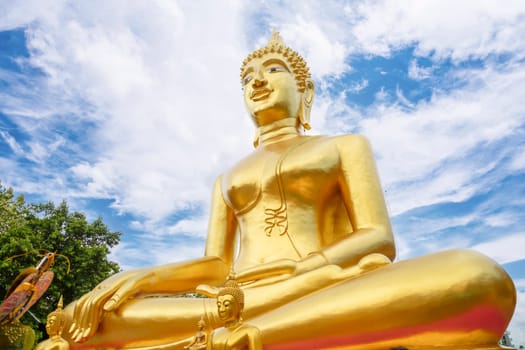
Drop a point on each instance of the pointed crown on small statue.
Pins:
(59, 315)
(296, 62)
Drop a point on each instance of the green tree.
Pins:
(26, 227)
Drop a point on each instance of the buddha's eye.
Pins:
(274, 69)
(246, 79)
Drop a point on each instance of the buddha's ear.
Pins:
(256, 139)
(306, 104)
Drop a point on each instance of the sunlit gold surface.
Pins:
(315, 245)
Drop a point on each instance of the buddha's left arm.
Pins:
(365, 204)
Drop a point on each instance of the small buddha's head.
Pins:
(230, 302)
(201, 324)
(56, 320)
(276, 83)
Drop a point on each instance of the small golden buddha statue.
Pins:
(200, 340)
(315, 249)
(54, 327)
(234, 334)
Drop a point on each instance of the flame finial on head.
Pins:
(60, 317)
(276, 39)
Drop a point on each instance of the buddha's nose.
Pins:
(259, 81)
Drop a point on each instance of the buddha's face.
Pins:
(228, 307)
(270, 89)
(52, 325)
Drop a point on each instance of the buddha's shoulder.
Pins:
(346, 144)
(350, 141)
(343, 139)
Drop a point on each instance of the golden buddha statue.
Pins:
(199, 340)
(315, 250)
(54, 327)
(235, 334)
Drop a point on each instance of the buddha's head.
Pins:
(56, 320)
(230, 302)
(276, 83)
(201, 324)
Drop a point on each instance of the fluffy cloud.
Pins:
(154, 89)
(446, 130)
(442, 28)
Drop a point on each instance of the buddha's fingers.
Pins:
(88, 311)
(128, 289)
(80, 322)
(88, 319)
(367, 263)
(373, 261)
(77, 312)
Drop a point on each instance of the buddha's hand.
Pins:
(282, 268)
(311, 262)
(106, 297)
(373, 261)
(270, 269)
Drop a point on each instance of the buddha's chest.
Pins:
(226, 339)
(301, 172)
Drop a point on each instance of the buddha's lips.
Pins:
(260, 94)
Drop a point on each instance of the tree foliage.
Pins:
(26, 228)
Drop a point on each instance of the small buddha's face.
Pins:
(228, 307)
(52, 325)
(270, 89)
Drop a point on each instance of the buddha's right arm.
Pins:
(211, 269)
(167, 279)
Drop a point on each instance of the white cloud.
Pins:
(504, 250)
(402, 99)
(500, 219)
(357, 87)
(194, 227)
(413, 146)
(154, 251)
(154, 93)
(442, 28)
(518, 162)
(325, 56)
(418, 73)
(11, 141)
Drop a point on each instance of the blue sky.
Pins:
(130, 110)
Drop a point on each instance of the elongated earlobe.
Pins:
(306, 105)
(256, 139)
